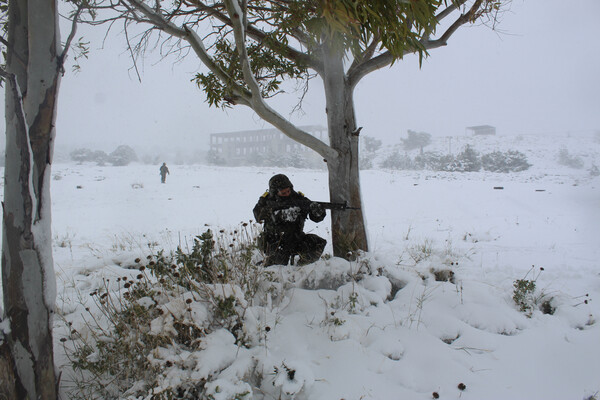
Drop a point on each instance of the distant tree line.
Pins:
(293, 159)
(121, 156)
(468, 160)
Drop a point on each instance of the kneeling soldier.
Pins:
(283, 212)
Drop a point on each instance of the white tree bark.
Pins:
(28, 279)
(347, 227)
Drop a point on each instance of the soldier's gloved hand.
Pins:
(316, 209)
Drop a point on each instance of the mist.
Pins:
(533, 73)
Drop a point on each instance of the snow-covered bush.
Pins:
(510, 161)
(434, 161)
(86, 155)
(527, 297)
(466, 161)
(122, 155)
(150, 336)
(397, 161)
(566, 159)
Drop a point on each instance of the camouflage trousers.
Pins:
(282, 251)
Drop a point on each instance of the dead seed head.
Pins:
(435, 395)
(137, 260)
(462, 386)
(140, 276)
(188, 301)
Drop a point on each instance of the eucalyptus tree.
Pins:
(31, 75)
(251, 46)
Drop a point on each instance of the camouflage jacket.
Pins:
(284, 217)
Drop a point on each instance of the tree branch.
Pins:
(197, 45)
(387, 58)
(259, 35)
(463, 19)
(63, 55)
(258, 104)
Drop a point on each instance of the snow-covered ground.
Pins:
(397, 332)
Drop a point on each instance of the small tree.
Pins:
(416, 140)
(122, 155)
(370, 144)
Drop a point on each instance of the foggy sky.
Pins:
(536, 73)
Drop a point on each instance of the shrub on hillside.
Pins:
(433, 161)
(510, 161)
(397, 161)
(566, 159)
(466, 161)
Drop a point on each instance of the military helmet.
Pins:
(278, 182)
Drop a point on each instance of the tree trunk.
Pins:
(348, 227)
(27, 267)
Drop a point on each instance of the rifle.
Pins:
(336, 206)
(305, 205)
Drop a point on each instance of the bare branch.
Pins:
(463, 19)
(258, 104)
(133, 58)
(63, 55)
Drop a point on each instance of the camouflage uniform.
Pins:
(283, 234)
(164, 170)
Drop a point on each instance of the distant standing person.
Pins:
(164, 170)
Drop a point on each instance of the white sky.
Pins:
(536, 74)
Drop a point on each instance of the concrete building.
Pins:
(481, 130)
(236, 147)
